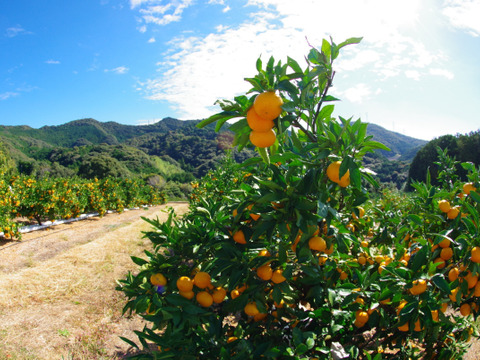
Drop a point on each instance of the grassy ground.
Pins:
(66, 307)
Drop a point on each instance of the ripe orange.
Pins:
(475, 254)
(471, 279)
(317, 243)
(277, 276)
(453, 213)
(158, 280)
(204, 299)
(232, 339)
(419, 287)
(239, 237)
(264, 252)
(263, 139)
(265, 272)
(185, 284)
(202, 280)
(256, 123)
(251, 309)
(444, 206)
(476, 291)
(465, 309)
(362, 260)
(467, 187)
(434, 315)
(453, 295)
(444, 243)
(235, 293)
(187, 294)
(446, 253)
(268, 105)
(453, 274)
(364, 244)
(219, 294)
(361, 316)
(333, 173)
(404, 327)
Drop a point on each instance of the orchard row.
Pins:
(65, 198)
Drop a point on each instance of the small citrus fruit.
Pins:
(277, 276)
(467, 187)
(317, 243)
(465, 309)
(453, 213)
(333, 173)
(239, 237)
(251, 309)
(185, 284)
(187, 294)
(204, 299)
(219, 294)
(158, 280)
(256, 123)
(419, 287)
(202, 280)
(268, 105)
(475, 254)
(265, 272)
(444, 206)
(263, 139)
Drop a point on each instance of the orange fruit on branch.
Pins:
(265, 272)
(239, 237)
(251, 309)
(444, 206)
(204, 299)
(475, 255)
(467, 187)
(202, 280)
(158, 280)
(419, 287)
(263, 139)
(268, 105)
(185, 284)
(317, 243)
(256, 123)
(277, 276)
(333, 173)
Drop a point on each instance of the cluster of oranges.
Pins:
(266, 108)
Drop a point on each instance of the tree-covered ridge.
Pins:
(461, 147)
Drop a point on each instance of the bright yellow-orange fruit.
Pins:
(465, 309)
(268, 105)
(453, 294)
(404, 327)
(202, 280)
(185, 284)
(232, 339)
(362, 260)
(256, 123)
(251, 309)
(264, 252)
(255, 216)
(361, 316)
(235, 293)
(444, 206)
(419, 287)
(453, 213)
(219, 294)
(263, 139)
(439, 262)
(471, 279)
(364, 244)
(277, 276)
(453, 274)
(239, 237)
(434, 315)
(476, 292)
(317, 243)
(446, 253)
(158, 280)
(475, 254)
(204, 299)
(444, 243)
(468, 187)
(265, 272)
(333, 173)
(187, 294)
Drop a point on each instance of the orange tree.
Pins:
(289, 259)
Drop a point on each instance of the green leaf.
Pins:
(416, 219)
(475, 196)
(264, 154)
(139, 261)
(441, 283)
(223, 115)
(376, 145)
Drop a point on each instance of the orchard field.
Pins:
(295, 255)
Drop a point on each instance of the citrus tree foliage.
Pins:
(287, 258)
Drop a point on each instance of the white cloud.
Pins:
(151, 40)
(358, 93)
(7, 95)
(118, 70)
(226, 9)
(154, 12)
(52, 62)
(16, 30)
(464, 14)
(442, 72)
(196, 71)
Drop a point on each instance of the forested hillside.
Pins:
(463, 148)
(170, 151)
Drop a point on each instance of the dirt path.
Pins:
(58, 298)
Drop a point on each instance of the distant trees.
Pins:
(464, 148)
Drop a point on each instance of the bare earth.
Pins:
(58, 297)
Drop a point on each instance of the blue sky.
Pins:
(417, 70)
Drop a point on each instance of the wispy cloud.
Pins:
(442, 72)
(52, 62)
(196, 71)
(7, 95)
(155, 12)
(15, 31)
(118, 70)
(464, 14)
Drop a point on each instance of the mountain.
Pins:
(402, 147)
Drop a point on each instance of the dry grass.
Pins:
(67, 306)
